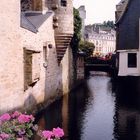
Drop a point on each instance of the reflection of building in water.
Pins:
(127, 116)
(55, 115)
(77, 106)
(65, 114)
(128, 124)
(103, 38)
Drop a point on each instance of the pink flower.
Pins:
(15, 114)
(58, 132)
(31, 117)
(4, 136)
(5, 117)
(47, 134)
(25, 118)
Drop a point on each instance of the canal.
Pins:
(99, 109)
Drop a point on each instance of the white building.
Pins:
(104, 39)
(128, 38)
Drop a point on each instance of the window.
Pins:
(64, 3)
(31, 67)
(45, 64)
(45, 53)
(26, 5)
(96, 42)
(132, 60)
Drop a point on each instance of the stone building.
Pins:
(36, 57)
(127, 44)
(103, 38)
(82, 13)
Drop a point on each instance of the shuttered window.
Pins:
(31, 68)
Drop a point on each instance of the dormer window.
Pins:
(64, 3)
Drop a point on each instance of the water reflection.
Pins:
(99, 125)
(127, 115)
(78, 102)
(99, 109)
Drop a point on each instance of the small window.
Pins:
(132, 60)
(45, 53)
(97, 43)
(26, 5)
(31, 67)
(64, 3)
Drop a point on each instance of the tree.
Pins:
(76, 39)
(109, 24)
(77, 27)
(87, 47)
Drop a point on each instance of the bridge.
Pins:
(97, 67)
(100, 65)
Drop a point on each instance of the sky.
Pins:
(97, 11)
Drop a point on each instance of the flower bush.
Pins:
(55, 134)
(18, 126)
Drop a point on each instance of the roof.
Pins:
(122, 2)
(33, 20)
(125, 5)
(82, 7)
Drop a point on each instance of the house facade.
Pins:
(36, 57)
(104, 39)
(127, 44)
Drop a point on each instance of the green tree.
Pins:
(109, 24)
(76, 39)
(87, 47)
(77, 28)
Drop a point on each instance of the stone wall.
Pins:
(24, 79)
(11, 58)
(67, 71)
(48, 82)
(80, 68)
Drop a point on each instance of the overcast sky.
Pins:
(98, 10)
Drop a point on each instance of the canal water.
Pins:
(99, 109)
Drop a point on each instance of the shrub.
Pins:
(18, 126)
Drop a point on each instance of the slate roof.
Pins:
(125, 5)
(33, 20)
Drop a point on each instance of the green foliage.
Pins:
(77, 24)
(86, 47)
(77, 30)
(20, 126)
(109, 24)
